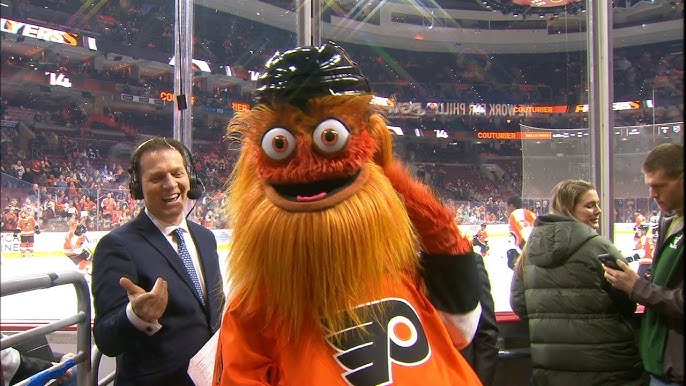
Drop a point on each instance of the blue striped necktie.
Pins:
(188, 262)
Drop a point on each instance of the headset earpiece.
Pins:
(136, 190)
(135, 187)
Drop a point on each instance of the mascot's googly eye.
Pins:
(330, 136)
(278, 143)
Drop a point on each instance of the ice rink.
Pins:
(59, 302)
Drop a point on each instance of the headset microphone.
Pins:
(195, 193)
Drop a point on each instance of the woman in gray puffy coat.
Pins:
(578, 324)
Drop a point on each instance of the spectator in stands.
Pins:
(61, 182)
(662, 293)
(34, 193)
(157, 287)
(9, 219)
(17, 171)
(107, 204)
(49, 208)
(30, 207)
(578, 324)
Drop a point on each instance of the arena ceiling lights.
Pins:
(534, 7)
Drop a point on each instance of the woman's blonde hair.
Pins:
(566, 195)
(519, 264)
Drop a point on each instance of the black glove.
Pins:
(16, 233)
(452, 281)
(36, 229)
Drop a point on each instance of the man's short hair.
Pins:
(150, 145)
(515, 201)
(668, 157)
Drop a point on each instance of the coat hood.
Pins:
(555, 238)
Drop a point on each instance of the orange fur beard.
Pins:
(313, 268)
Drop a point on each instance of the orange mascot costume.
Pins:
(343, 269)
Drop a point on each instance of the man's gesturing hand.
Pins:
(148, 306)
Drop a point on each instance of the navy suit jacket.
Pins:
(139, 251)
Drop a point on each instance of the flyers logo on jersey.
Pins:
(396, 337)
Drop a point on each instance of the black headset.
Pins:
(196, 186)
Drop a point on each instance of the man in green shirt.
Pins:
(662, 294)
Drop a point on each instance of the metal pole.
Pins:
(653, 111)
(304, 22)
(97, 209)
(600, 99)
(316, 22)
(183, 72)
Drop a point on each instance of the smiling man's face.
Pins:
(165, 183)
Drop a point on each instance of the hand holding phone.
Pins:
(609, 261)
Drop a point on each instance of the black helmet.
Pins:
(302, 73)
(80, 229)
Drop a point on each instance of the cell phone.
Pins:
(609, 261)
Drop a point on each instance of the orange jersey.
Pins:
(27, 226)
(482, 236)
(408, 345)
(73, 244)
(521, 223)
(638, 241)
(648, 248)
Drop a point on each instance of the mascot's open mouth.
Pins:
(317, 195)
(316, 190)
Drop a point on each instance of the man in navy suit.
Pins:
(150, 313)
